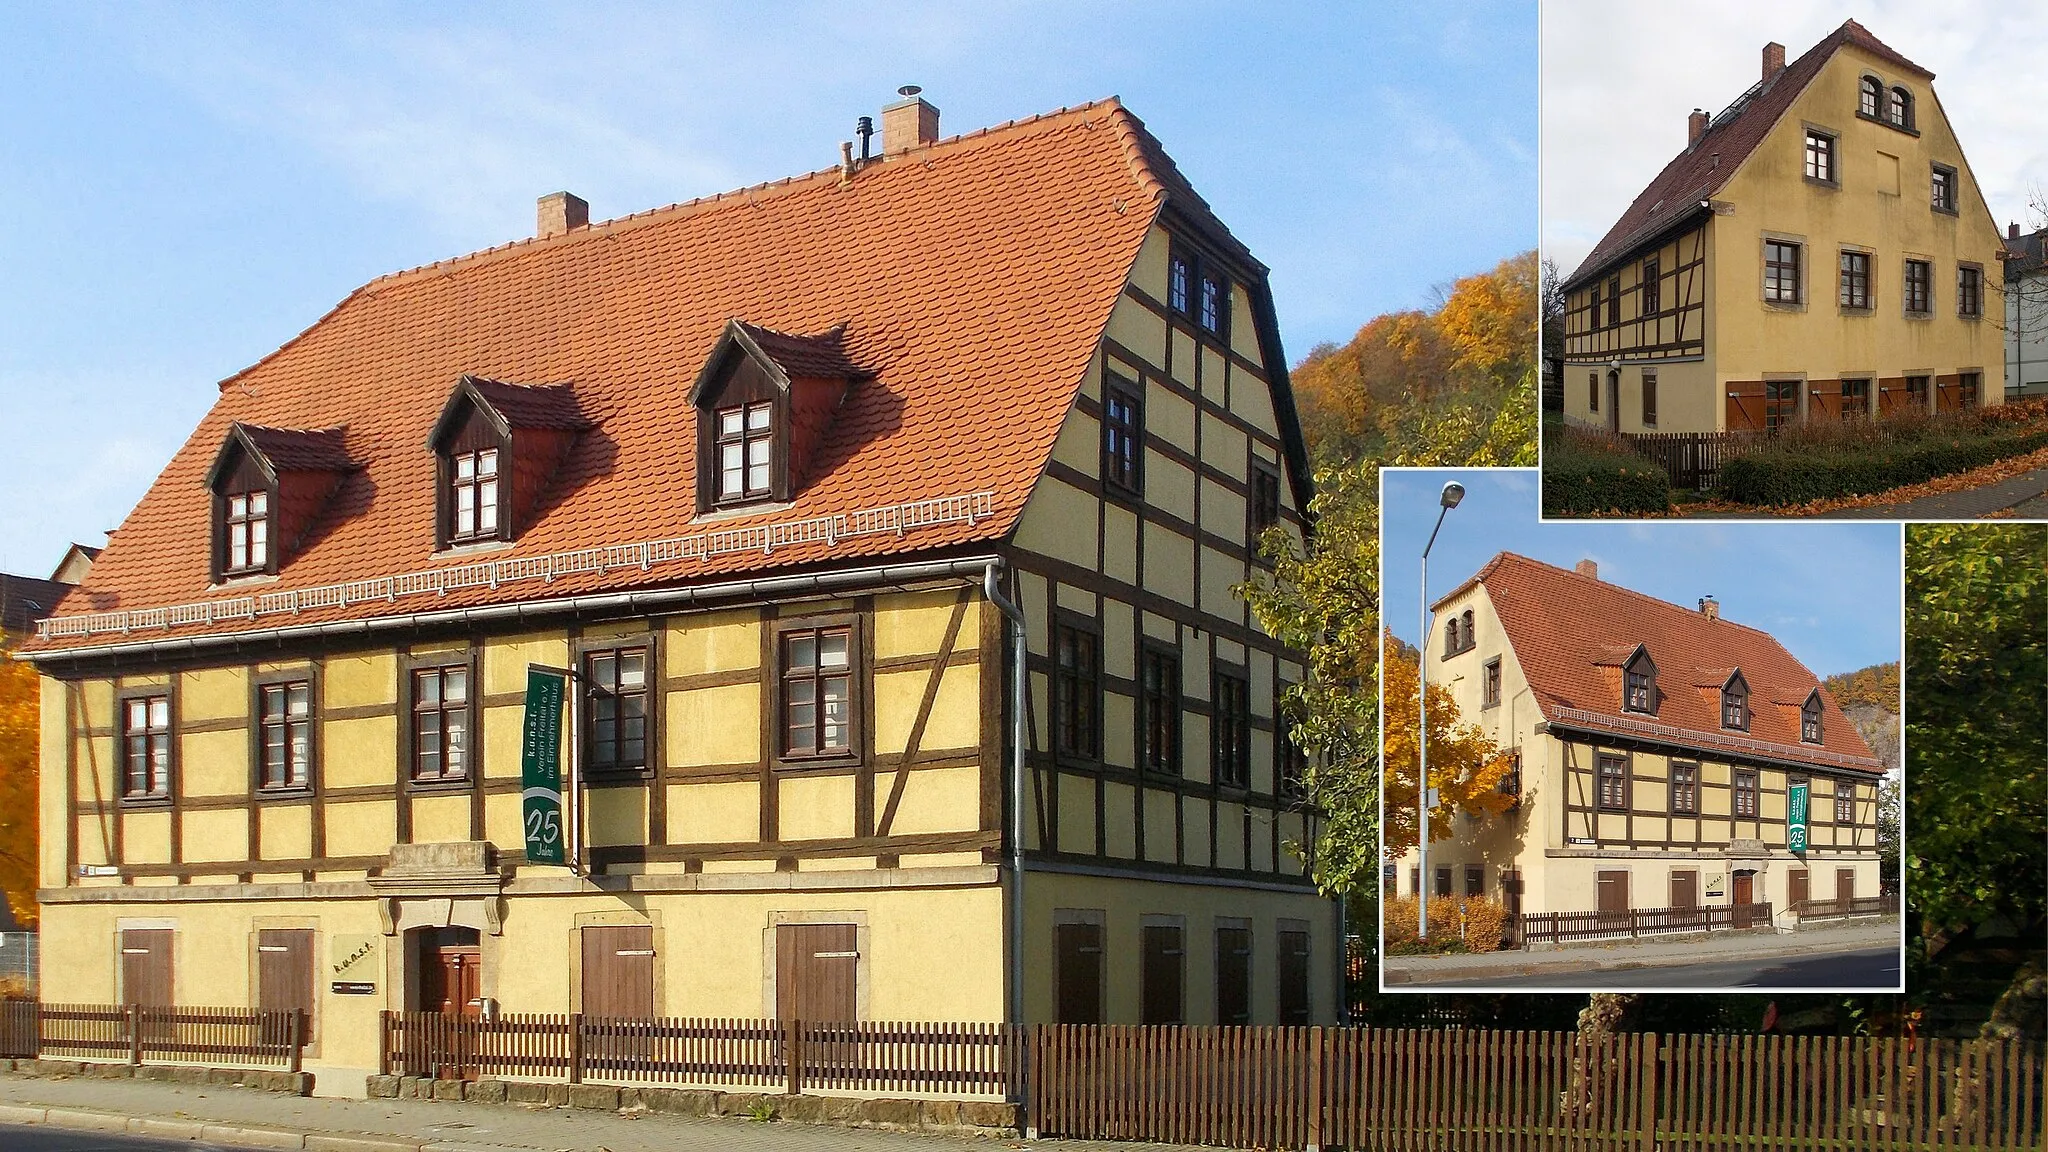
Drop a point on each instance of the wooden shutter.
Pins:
(1845, 887)
(1293, 972)
(146, 967)
(1685, 889)
(1796, 882)
(1511, 890)
(1162, 974)
(816, 972)
(1613, 891)
(284, 972)
(1745, 405)
(618, 972)
(1078, 972)
(1233, 975)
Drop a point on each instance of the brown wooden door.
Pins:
(1745, 894)
(1613, 888)
(284, 975)
(1293, 972)
(1233, 975)
(618, 985)
(146, 967)
(1796, 888)
(1161, 975)
(1685, 889)
(1613, 401)
(451, 972)
(816, 972)
(1077, 972)
(1845, 889)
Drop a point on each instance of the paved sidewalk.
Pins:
(241, 1117)
(2023, 497)
(1554, 967)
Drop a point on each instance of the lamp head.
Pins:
(1453, 492)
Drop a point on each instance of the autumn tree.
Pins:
(1465, 764)
(19, 737)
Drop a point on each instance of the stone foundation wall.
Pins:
(948, 1117)
(261, 1079)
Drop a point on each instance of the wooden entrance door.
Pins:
(451, 983)
(618, 985)
(1613, 888)
(1233, 975)
(1796, 889)
(1745, 895)
(1613, 401)
(1685, 888)
(1077, 973)
(817, 981)
(1845, 889)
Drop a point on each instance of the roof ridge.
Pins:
(1506, 555)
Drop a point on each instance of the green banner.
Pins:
(540, 767)
(1795, 817)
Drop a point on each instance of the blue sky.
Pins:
(189, 186)
(1829, 591)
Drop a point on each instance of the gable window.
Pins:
(473, 496)
(1511, 780)
(247, 530)
(1650, 397)
(816, 681)
(1685, 789)
(1613, 301)
(1871, 97)
(1465, 635)
(1856, 280)
(1215, 303)
(146, 747)
(1198, 290)
(1178, 278)
(1077, 692)
(1781, 272)
(746, 452)
(1159, 738)
(1944, 189)
(1639, 684)
(1845, 802)
(1899, 109)
(1919, 287)
(1969, 291)
(615, 681)
(1451, 638)
(1745, 792)
(1781, 404)
(1651, 285)
(440, 723)
(285, 731)
(1121, 436)
(1491, 682)
(1820, 157)
(1809, 721)
(1613, 782)
(1230, 751)
(1735, 703)
(1265, 502)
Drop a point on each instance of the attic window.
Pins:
(496, 447)
(1809, 720)
(1899, 110)
(1639, 683)
(246, 529)
(1735, 703)
(268, 487)
(1872, 99)
(746, 452)
(1198, 289)
(765, 402)
(473, 496)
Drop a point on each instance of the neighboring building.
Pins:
(754, 464)
(2026, 313)
(1819, 251)
(76, 565)
(24, 600)
(1654, 746)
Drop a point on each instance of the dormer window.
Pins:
(765, 400)
(1639, 683)
(473, 496)
(1872, 99)
(1809, 719)
(247, 533)
(484, 428)
(269, 485)
(1735, 703)
(746, 452)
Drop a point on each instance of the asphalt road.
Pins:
(33, 1139)
(1865, 968)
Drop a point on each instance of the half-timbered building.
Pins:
(783, 475)
(1654, 744)
(1819, 250)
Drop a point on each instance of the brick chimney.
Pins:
(561, 212)
(2012, 231)
(909, 123)
(1695, 127)
(1588, 569)
(1774, 59)
(1710, 608)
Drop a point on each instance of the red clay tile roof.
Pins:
(1705, 166)
(974, 278)
(823, 354)
(1564, 628)
(300, 449)
(544, 406)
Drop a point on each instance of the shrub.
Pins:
(1485, 923)
(1806, 465)
(1588, 473)
(1456, 924)
(1398, 912)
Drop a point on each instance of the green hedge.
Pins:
(1796, 476)
(1587, 476)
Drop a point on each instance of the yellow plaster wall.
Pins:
(615, 816)
(912, 625)
(1169, 416)
(714, 726)
(359, 752)
(440, 818)
(505, 659)
(286, 831)
(939, 800)
(1050, 520)
(718, 642)
(723, 813)
(213, 694)
(1148, 273)
(815, 807)
(215, 834)
(52, 802)
(214, 763)
(1139, 329)
(360, 679)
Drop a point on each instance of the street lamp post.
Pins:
(1452, 493)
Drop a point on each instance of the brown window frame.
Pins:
(1212, 308)
(1845, 803)
(266, 691)
(1917, 389)
(1465, 631)
(253, 522)
(1613, 784)
(1593, 305)
(1651, 290)
(786, 676)
(1614, 301)
(1855, 398)
(496, 482)
(1781, 404)
(1442, 885)
(1160, 690)
(1475, 880)
(1820, 157)
(1511, 780)
(1234, 947)
(1898, 108)
(1810, 723)
(1123, 436)
(1180, 283)
(1263, 506)
(1161, 946)
(745, 439)
(1292, 957)
(1919, 288)
(1230, 728)
(1735, 714)
(1968, 386)
(1782, 269)
(1290, 760)
(1855, 293)
(1198, 290)
(1592, 391)
(1489, 681)
(1639, 687)
(1745, 804)
(1685, 788)
(1969, 291)
(1870, 98)
(595, 688)
(1076, 688)
(1941, 188)
(158, 748)
(443, 709)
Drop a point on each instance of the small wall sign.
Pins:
(352, 956)
(352, 988)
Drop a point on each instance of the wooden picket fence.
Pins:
(1854, 906)
(141, 1033)
(1565, 927)
(1297, 1087)
(1692, 459)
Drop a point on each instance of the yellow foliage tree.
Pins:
(1465, 765)
(1487, 318)
(19, 737)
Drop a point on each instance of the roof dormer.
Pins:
(1639, 682)
(496, 447)
(1809, 719)
(269, 486)
(1735, 702)
(764, 401)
